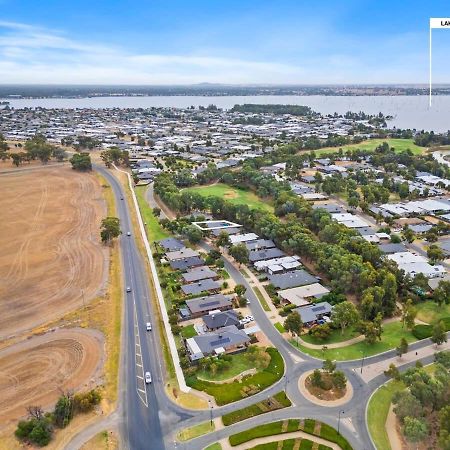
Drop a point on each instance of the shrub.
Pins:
(85, 401)
(422, 331)
(36, 431)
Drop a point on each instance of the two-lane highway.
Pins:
(148, 414)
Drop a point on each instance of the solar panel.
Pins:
(219, 342)
(318, 308)
(215, 302)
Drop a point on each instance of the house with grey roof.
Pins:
(389, 249)
(186, 263)
(171, 244)
(199, 273)
(207, 285)
(292, 279)
(312, 313)
(181, 254)
(225, 340)
(262, 255)
(198, 307)
(219, 319)
(260, 244)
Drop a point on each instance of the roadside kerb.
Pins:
(173, 348)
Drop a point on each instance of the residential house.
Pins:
(292, 279)
(220, 319)
(312, 313)
(198, 307)
(207, 285)
(303, 295)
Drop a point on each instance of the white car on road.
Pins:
(148, 326)
(148, 378)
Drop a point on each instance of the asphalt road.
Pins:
(149, 419)
(147, 414)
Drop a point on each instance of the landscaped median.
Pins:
(195, 431)
(301, 426)
(225, 393)
(278, 401)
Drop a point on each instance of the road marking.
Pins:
(138, 376)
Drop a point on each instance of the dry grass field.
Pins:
(51, 260)
(35, 371)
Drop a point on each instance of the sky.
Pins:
(221, 41)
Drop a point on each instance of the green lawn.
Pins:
(231, 392)
(378, 410)
(261, 299)
(278, 401)
(196, 431)
(289, 444)
(429, 311)
(215, 446)
(279, 327)
(188, 332)
(335, 336)
(399, 145)
(154, 230)
(240, 362)
(276, 428)
(392, 334)
(234, 195)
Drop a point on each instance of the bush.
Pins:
(422, 331)
(85, 401)
(36, 431)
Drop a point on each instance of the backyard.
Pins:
(234, 195)
(392, 334)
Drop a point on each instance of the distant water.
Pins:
(408, 111)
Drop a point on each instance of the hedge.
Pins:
(422, 331)
(330, 434)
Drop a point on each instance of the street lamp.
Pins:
(211, 412)
(339, 420)
(362, 361)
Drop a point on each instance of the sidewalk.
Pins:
(373, 370)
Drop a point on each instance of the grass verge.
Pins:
(196, 431)
(279, 327)
(378, 410)
(278, 401)
(392, 334)
(335, 337)
(261, 299)
(215, 446)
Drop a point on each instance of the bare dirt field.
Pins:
(51, 260)
(35, 371)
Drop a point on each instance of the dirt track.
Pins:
(35, 371)
(51, 254)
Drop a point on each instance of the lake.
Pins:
(408, 111)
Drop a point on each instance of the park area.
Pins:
(52, 259)
(393, 332)
(399, 145)
(234, 195)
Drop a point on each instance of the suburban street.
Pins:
(147, 416)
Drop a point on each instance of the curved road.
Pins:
(149, 419)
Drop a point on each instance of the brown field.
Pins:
(35, 371)
(51, 260)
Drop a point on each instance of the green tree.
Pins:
(223, 240)
(409, 235)
(444, 432)
(409, 313)
(344, 315)
(373, 330)
(405, 404)
(442, 293)
(339, 379)
(439, 335)
(240, 289)
(329, 366)
(435, 253)
(316, 378)
(81, 162)
(240, 253)
(415, 430)
(63, 412)
(17, 159)
(193, 234)
(156, 212)
(293, 323)
(402, 348)
(110, 229)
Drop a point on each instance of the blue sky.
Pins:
(221, 41)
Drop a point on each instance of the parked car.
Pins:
(148, 326)
(148, 378)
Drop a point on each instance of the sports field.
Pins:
(233, 195)
(398, 144)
